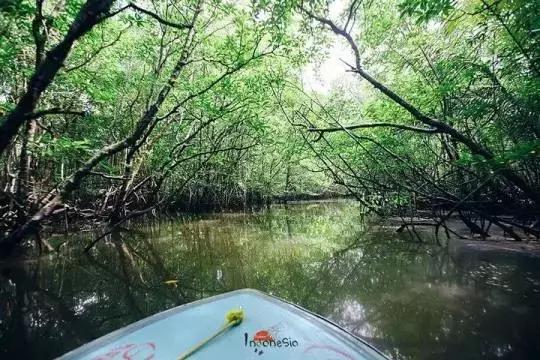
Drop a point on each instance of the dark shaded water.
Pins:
(413, 301)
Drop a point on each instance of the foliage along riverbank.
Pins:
(115, 110)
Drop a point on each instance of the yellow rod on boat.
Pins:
(233, 318)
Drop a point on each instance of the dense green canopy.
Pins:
(111, 109)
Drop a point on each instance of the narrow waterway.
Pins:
(412, 300)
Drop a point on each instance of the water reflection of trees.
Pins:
(413, 300)
(37, 322)
(420, 303)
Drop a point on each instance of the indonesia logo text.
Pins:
(264, 339)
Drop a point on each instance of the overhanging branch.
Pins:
(159, 18)
(53, 111)
(375, 125)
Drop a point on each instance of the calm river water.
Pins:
(412, 300)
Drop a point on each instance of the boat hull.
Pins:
(271, 329)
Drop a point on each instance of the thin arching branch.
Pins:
(375, 125)
(54, 111)
(159, 18)
(97, 52)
